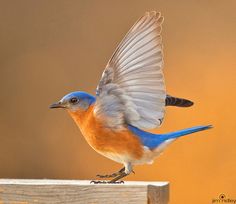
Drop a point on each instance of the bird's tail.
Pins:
(186, 131)
(168, 138)
(152, 140)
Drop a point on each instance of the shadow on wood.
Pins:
(43, 191)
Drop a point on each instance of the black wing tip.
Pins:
(188, 103)
(179, 102)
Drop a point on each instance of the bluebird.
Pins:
(130, 100)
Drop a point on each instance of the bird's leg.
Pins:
(118, 175)
(127, 170)
(122, 174)
(112, 175)
(115, 180)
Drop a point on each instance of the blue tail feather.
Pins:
(154, 140)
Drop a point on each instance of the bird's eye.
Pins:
(74, 100)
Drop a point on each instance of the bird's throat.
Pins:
(81, 116)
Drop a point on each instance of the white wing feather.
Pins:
(132, 90)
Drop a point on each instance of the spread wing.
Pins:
(132, 90)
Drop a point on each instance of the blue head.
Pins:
(75, 101)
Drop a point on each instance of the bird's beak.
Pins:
(57, 105)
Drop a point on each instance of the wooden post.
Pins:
(44, 191)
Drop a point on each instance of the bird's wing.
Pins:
(132, 90)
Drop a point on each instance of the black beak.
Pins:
(57, 105)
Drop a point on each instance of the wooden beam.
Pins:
(44, 191)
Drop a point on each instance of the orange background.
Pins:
(50, 48)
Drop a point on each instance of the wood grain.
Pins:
(43, 191)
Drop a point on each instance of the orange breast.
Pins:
(104, 139)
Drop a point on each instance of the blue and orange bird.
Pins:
(130, 99)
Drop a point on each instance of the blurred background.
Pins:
(50, 48)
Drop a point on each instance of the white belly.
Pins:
(150, 155)
(147, 158)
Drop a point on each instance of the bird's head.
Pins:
(75, 101)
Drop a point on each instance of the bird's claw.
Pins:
(111, 175)
(107, 176)
(98, 182)
(106, 182)
(103, 176)
(117, 182)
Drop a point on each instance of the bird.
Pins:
(129, 102)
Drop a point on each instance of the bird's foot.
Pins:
(116, 182)
(106, 182)
(115, 177)
(98, 182)
(111, 175)
(108, 175)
